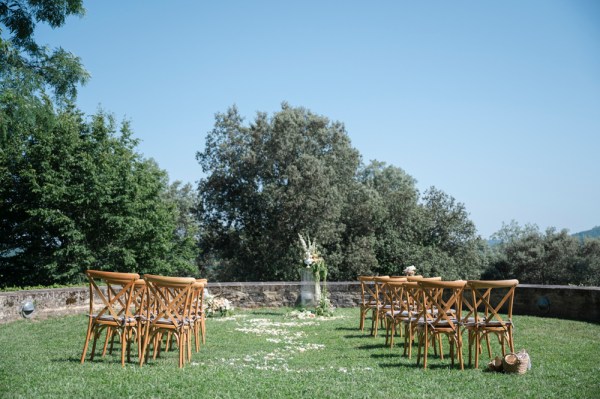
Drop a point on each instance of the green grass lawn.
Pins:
(263, 354)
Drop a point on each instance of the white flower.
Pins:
(410, 270)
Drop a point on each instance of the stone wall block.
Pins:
(566, 302)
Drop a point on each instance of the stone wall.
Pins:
(565, 302)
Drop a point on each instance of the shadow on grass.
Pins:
(386, 355)
(265, 313)
(371, 347)
(346, 329)
(359, 336)
(413, 365)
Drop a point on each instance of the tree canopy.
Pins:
(24, 61)
(297, 173)
(75, 195)
(550, 257)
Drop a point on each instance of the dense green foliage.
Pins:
(290, 358)
(553, 257)
(76, 195)
(296, 172)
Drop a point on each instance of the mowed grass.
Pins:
(263, 354)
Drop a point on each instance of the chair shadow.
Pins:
(390, 365)
(70, 359)
(360, 336)
(346, 329)
(371, 347)
(386, 355)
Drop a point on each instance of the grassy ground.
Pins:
(263, 354)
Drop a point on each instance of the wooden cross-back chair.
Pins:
(137, 309)
(441, 302)
(197, 316)
(169, 311)
(485, 300)
(368, 300)
(115, 313)
(411, 297)
(382, 305)
(396, 307)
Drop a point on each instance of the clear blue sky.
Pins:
(496, 103)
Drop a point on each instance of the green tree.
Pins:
(184, 254)
(24, 60)
(75, 195)
(380, 215)
(588, 267)
(268, 181)
(451, 246)
(296, 172)
(553, 257)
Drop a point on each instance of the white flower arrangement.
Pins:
(314, 261)
(214, 306)
(410, 271)
(311, 253)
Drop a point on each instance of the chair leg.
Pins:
(409, 337)
(419, 347)
(144, 345)
(363, 315)
(489, 348)
(470, 341)
(459, 348)
(451, 344)
(478, 338)
(106, 339)
(87, 339)
(96, 335)
(426, 347)
(123, 335)
(511, 342)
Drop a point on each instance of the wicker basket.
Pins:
(517, 363)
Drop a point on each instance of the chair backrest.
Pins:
(117, 301)
(171, 298)
(488, 298)
(421, 278)
(139, 297)
(380, 287)
(198, 295)
(368, 290)
(442, 301)
(411, 297)
(394, 295)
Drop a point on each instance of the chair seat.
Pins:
(110, 318)
(165, 321)
(469, 322)
(496, 323)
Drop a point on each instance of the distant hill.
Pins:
(593, 233)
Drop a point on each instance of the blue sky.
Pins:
(496, 103)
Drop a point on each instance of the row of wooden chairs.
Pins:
(144, 311)
(429, 308)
